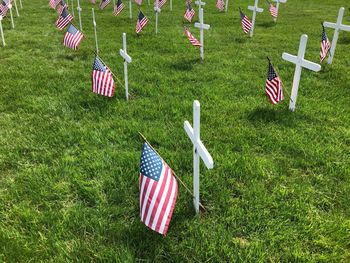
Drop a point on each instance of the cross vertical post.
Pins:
(200, 4)
(171, 5)
(17, 14)
(199, 151)
(226, 6)
(130, 9)
(201, 27)
(337, 27)
(20, 4)
(255, 10)
(278, 6)
(73, 8)
(79, 11)
(12, 23)
(127, 59)
(300, 63)
(94, 23)
(2, 32)
(157, 11)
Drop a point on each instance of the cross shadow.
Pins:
(184, 65)
(344, 40)
(267, 24)
(270, 115)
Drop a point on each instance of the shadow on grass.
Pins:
(184, 65)
(267, 24)
(344, 40)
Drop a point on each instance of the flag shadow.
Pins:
(267, 115)
(267, 24)
(184, 65)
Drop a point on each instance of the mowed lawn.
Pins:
(69, 159)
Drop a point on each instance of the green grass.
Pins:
(69, 159)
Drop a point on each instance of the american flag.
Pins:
(189, 14)
(104, 3)
(72, 38)
(118, 7)
(142, 21)
(325, 45)
(139, 2)
(62, 5)
(220, 4)
(4, 7)
(102, 79)
(93, 1)
(246, 24)
(54, 3)
(158, 191)
(191, 38)
(273, 10)
(274, 86)
(160, 3)
(63, 20)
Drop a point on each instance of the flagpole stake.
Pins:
(2, 32)
(157, 10)
(226, 6)
(20, 4)
(94, 23)
(17, 14)
(130, 9)
(171, 5)
(127, 59)
(79, 15)
(12, 23)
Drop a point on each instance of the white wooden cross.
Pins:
(157, 10)
(171, 5)
(200, 4)
(2, 32)
(79, 11)
(278, 6)
(300, 63)
(127, 59)
(94, 23)
(226, 6)
(199, 151)
(255, 10)
(337, 27)
(201, 27)
(73, 9)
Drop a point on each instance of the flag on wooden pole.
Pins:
(102, 79)
(118, 8)
(63, 20)
(189, 14)
(273, 9)
(142, 21)
(273, 85)
(54, 3)
(192, 39)
(220, 4)
(158, 191)
(325, 45)
(72, 38)
(104, 3)
(246, 24)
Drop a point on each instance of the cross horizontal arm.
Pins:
(201, 26)
(310, 65)
(202, 151)
(290, 58)
(199, 3)
(257, 9)
(125, 56)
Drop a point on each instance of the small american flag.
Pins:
(273, 10)
(274, 86)
(160, 3)
(62, 5)
(189, 14)
(63, 20)
(325, 45)
(72, 38)
(104, 3)
(220, 4)
(246, 24)
(158, 191)
(192, 39)
(54, 3)
(142, 21)
(139, 2)
(118, 7)
(93, 2)
(102, 79)
(4, 7)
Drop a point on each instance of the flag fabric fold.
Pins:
(189, 13)
(141, 22)
(63, 20)
(118, 8)
(158, 191)
(220, 4)
(272, 9)
(104, 3)
(72, 38)
(273, 86)
(192, 39)
(325, 45)
(102, 79)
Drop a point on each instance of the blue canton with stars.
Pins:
(151, 164)
(98, 65)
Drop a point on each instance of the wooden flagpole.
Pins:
(2, 32)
